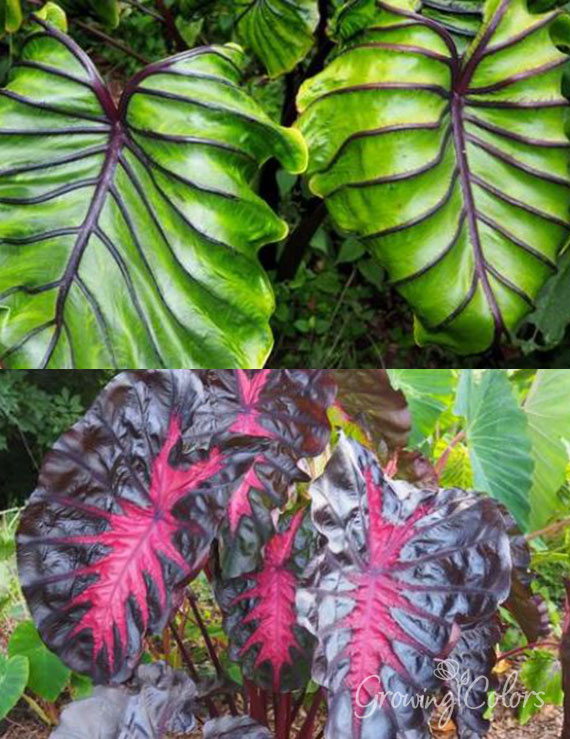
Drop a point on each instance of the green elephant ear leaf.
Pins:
(452, 165)
(546, 410)
(13, 681)
(129, 232)
(280, 32)
(499, 445)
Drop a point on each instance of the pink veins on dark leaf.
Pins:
(240, 504)
(250, 388)
(137, 538)
(372, 625)
(274, 613)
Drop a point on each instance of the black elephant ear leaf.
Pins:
(145, 209)
(159, 699)
(260, 614)
(235, 727)
(126, 509)
(387, 595)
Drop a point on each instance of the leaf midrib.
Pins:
(86, 230)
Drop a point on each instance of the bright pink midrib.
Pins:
(371, 624)
(136, 537)
(240, 504)
(249, 390)
(274, 613)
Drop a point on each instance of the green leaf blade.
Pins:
(13, 680)
(429, 393)
(547, 410)
(450, 164)
(279, 32)
(498, 440)
(146, 211)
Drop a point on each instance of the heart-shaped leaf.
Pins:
(130, 499)
(128, 234)
(280, 32)
(401, 570)
(453, 166)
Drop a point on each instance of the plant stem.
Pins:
(192, 668)
(38, 710)
(172, 31)
(553, 528)
(534, 645)
(307, 728)
(298, 241)
(442, 461)
(211, 648)
(111, 41)
(145, 10)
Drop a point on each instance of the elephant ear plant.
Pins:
(437, 133)
(359, 581)
(129, 231)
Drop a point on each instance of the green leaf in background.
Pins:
(540, 674)
(429, 393)
(145, 209)
(81, 686)
(552, 313)
(54, 14)
(547, 409)
(10, 16)
(498, 440)
(280, 32)
(108, 11)
(457, 472)
(13, 681)
(48, 675)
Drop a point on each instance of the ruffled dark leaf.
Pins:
(368, 399)
(401, 570)
(529, 610)
(159, 700)
(260, 612)
(470, 666)
(131, 498)
(235, 727)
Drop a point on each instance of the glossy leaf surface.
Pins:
(130, 499)
(497, 439)
(367, 398)
(145, 209)
(160, 699)
(401, 570)
(260, 611)
(280, 32)
(470, 665)
(235, 727)
(452, 164)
